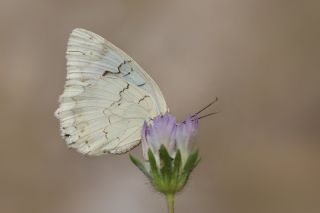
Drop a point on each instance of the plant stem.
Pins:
(170, 202)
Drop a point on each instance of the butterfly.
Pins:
(107, 97)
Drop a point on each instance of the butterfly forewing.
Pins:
(89, 56)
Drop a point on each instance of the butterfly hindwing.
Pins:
(107, 117)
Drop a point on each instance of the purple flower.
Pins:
(183, 135)
(168, 152)
(163, 129)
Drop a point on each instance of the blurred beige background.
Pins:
(260, 154)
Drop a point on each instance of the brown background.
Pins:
(260, 154)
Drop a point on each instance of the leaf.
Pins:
(138, 164)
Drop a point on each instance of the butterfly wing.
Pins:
(107, 117)
(107, 97)
(89, 56)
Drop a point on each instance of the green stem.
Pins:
(170, 202)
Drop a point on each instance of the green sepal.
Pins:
(153, 164)
(138, 164)
(190, 164)
(177, 164)
(166, 161)
(176, 171)
(169, 177)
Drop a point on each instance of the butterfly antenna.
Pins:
(207, 115)
(214, 101)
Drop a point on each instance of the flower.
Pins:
(168, 152)
(163, 130)
(183, 135)
(159, 131)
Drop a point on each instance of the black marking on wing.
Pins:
(140, 85)
(144, 97)
(123, 63)
(109, 72)
(76, 51)
(119, 67)
(120, 94)
(127, 73)
(106, 72)
(124, 89)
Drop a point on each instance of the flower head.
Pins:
(163, 130)
(168, 152)
(183, 135)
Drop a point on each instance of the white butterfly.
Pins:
(107, 97)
